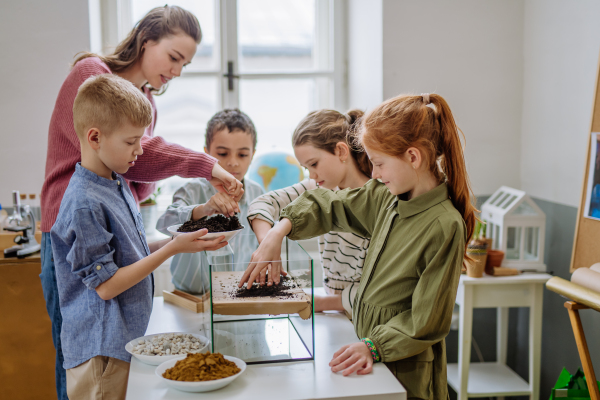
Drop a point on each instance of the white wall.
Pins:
(38, 40)
(519, 77)
(561, 45)
(365, 57)
(470, 52)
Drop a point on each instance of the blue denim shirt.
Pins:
(98, 230)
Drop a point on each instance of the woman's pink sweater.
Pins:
(159, 161)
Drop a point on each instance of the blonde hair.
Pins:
(157, 24)
(106, 102)
(424, 122)
(324, 129)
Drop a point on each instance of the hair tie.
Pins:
(425, 98)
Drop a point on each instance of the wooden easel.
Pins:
(584, 353)
(585, 249)
(585, 253)
(582, 298)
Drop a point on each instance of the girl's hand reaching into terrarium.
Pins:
(267, 257)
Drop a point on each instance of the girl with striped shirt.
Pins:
(320, 145)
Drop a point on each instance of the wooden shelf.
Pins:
(490, 380)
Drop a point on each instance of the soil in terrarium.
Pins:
(282, 290)
(218, 223)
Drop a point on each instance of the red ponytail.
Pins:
(424, 122)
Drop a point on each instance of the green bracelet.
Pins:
(372, 348)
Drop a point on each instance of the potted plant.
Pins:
(477, 250)
(148, 209)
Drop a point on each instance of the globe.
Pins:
(275, 170)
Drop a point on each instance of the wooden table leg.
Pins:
(573, 308)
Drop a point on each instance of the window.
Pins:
(276, 60)
(513, 243)
(530, 249)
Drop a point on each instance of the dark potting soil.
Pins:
(218, 223)
(282, 290)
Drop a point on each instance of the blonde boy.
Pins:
(103, 262)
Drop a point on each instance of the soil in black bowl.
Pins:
(282, 290)
(218, 223)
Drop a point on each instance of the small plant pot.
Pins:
(494, 259)
(475, 268)
(477, 251)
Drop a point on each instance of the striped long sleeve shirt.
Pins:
(342, 253)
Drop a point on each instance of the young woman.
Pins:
(155, 51)
(418, 218)
(321, 144)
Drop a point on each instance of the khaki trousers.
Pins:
(99, 378)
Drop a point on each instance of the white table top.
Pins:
(526, 277)
(283, 381)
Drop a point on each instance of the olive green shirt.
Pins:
(407, 291)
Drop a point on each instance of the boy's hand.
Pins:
(220, 203)
(355, 357)
(224, 182)
(192, 243)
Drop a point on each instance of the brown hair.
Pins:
(232, 119)
(158, 23)
(106, 102)
(409, 121)
(324, 129)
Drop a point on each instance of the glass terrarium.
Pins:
(278, 325)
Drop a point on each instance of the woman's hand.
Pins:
(192, 243)
(355, 357)
(220, 203)
(224, 182)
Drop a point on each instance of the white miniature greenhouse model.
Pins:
(516, 226)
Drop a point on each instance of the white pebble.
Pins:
(167, 344)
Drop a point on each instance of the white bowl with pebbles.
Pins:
(156, 349)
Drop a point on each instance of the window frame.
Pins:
(115, 23)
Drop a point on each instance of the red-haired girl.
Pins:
(418, 213)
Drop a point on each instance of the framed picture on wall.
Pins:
(592, 201)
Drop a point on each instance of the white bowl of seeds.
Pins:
(156, 349)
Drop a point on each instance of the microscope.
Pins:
(22, 220)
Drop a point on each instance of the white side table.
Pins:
(495, 379)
